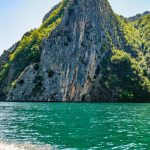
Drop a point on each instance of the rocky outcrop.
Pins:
(71, 56)
(13, 47)
(76, 62)
(49, 13)
(4, 58)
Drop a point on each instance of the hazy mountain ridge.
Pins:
(138, 16)
(83, 51)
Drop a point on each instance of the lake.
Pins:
(74, 126)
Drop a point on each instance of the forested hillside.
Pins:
(83, 51)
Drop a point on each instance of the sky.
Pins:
(20, 16)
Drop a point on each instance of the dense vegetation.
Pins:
(130, 76)
(30, 46)
(125, 69)
(143, 25)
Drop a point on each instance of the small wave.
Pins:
(12, 146)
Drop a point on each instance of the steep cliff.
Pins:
(28, 50)
(82, 52)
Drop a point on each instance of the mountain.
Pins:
(138, 16)
(83, 51)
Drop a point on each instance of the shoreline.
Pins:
(86, 102)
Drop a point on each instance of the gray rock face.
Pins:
(70, 56)
(23, 89)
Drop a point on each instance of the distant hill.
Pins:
(136, 17)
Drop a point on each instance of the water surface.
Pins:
(74, 126)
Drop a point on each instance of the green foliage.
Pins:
(14, 84)
(30, 46)
(133, 83)
(50, 73)
(143, 25)
(38, 79)
(36, 67)
(129, 36)
(38, 84)
(21, 82)
(124, 55)
(124, 70)
(4, 71)
(56, 14)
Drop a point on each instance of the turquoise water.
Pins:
(75, 126)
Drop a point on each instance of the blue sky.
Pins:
(19, 16)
